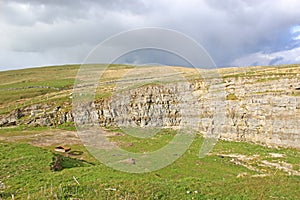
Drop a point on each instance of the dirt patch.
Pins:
(47, 138)
(50, 138)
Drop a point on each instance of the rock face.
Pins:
(254, 110)
(148, 106)
(264, 112)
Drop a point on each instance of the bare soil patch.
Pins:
(46, 138)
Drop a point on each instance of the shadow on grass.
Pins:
(60, 162)
(5, 195)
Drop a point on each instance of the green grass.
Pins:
(135, 144)
(266, 79)
(25, 171)
(68, 126)
(34, 85)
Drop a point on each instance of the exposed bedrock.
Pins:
(265, 112)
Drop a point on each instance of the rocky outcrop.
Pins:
(261, 111)
(264, 112)
(149, 106)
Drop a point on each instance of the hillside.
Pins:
(261, 104)
(256, 158)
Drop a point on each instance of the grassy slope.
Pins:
(24, 87)
(25, 169)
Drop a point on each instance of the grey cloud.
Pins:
(243, 27)
(51, 11)
(64, 31)
(28, 13)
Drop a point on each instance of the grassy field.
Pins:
(231, 171)
(25, 172)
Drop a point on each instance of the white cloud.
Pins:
(263, 59)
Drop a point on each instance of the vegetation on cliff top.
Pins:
(24, 87)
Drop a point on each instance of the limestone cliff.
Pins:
(258, 109)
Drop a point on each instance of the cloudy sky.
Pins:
(234, 32)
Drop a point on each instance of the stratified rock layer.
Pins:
(265, 111)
